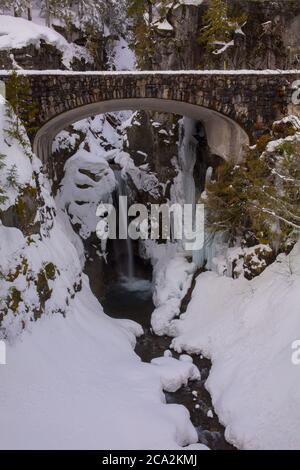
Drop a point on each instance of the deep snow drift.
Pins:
(247, 328)
(72, 379)
(76, 383)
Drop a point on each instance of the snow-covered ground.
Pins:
(72, 379)
(247, 328)
(122, 57)
(172, 278)
(16, 33)
(76, 383)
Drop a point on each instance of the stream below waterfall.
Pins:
(132, 299)
(128, 289)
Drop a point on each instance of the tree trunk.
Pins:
(47, 13)
(150, 12)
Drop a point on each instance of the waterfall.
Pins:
(187, 155)
(123, 249)
(188, 152)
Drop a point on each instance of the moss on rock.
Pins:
(50, 271)
(14, 299)
(22, 214)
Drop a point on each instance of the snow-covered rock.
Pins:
(247, 328)
(75, 383)
(172, 275)
(40, 269)
(16, 33)
(174, 373)
(72, 378)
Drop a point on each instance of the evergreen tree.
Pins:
(91, 16)
(3, 197)
(46, 12)
(2, 193)
(116, 16)
(61, 9)
(260, 196)
(141, 12)
(218, 25)
(17, 7)
(2, 163)
(12, 177)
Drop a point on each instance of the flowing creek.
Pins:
(132, 299)
(128, 295)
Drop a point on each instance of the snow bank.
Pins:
(33, 257)
(164, 25)
(91, 172)
(76, 383)
(174, 373)
(190, 2)
(122, 56)
(14, 157)
(16, 33)
(247, 328)
(40, 268)
(72, 379)
(172, 278)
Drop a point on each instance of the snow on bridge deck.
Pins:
(153, 72)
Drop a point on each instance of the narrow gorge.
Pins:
(149, 225)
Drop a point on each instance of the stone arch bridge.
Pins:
(234, 106)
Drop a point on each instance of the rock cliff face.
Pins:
(26, 45)
(152, 139)
(46, 56)
(270, 37)
(40, 271)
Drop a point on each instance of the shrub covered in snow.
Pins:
(39, 268)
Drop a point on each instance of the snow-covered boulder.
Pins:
(25, 44)
(40, 269)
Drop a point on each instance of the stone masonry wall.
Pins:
(253, 101)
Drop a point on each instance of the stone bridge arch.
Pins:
(225, 137)
(234, 106)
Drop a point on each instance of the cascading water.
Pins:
(123, 249)
(187, 154)
(194, 161)
(130, 296)
(185, 188)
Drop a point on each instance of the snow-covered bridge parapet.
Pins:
(250, 99)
